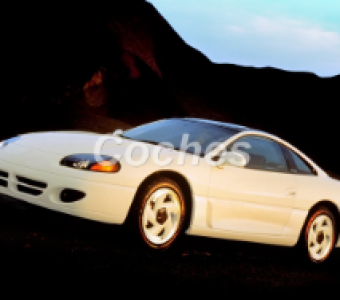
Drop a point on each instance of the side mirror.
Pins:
(234, 159)
(118, 132)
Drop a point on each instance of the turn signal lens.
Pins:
(106, 166)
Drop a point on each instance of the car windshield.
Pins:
(186, 135)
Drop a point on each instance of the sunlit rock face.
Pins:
(121, 64)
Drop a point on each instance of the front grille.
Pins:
(3, 174)
(32, 182)
(30, 186)
(4, 178)
(3, 183)
(28, 190)
(23, 184)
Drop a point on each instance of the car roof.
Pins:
(221, 124)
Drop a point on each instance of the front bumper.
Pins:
(103, 202)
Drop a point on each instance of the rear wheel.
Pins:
(320, 235)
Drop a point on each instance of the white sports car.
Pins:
(180, 175)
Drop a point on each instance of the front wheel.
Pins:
(160, 213)
(320, 235)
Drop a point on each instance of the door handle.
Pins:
(291, 193)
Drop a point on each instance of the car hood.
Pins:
(30, 148)
(72, 142)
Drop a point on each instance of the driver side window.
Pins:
(264, 154)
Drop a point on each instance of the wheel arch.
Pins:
(180, 179)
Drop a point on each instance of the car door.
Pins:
(304, 173)
(257, 198)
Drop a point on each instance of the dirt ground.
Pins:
(44, 249)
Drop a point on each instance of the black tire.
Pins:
(134, 221)
(307, 244)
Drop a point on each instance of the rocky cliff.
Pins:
(120, 64)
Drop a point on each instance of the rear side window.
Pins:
(297, 164)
